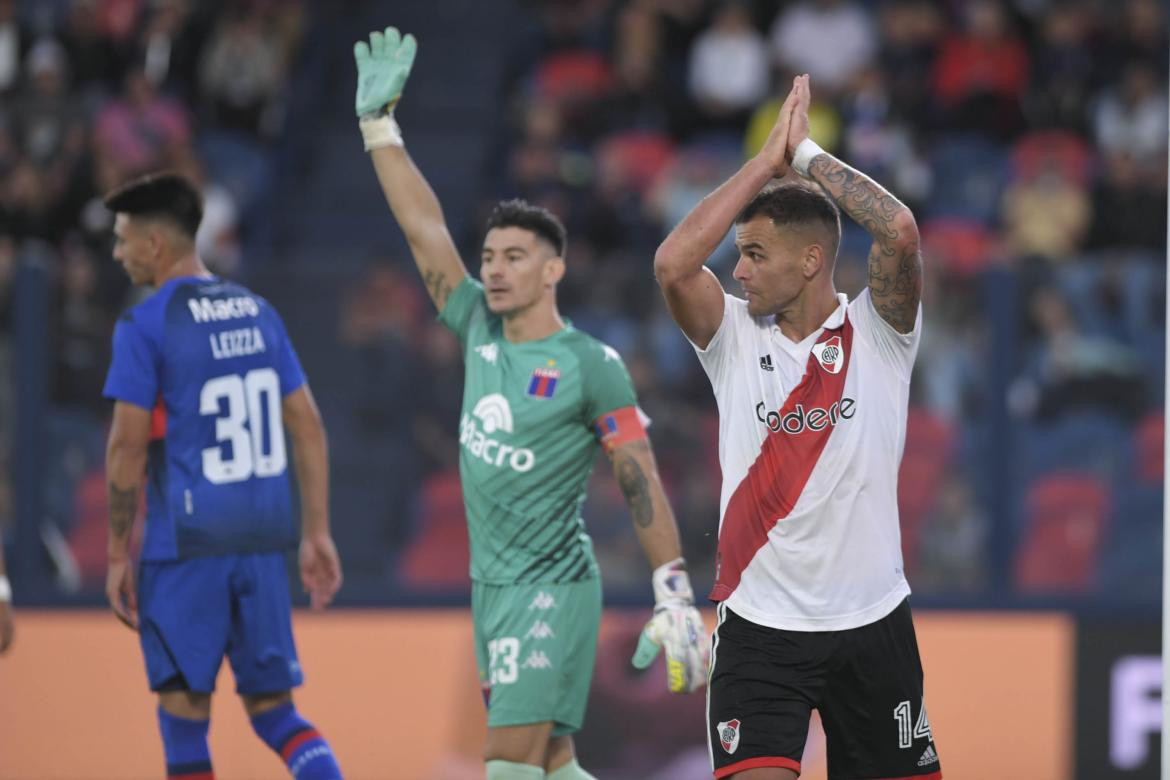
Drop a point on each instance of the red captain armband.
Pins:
(619, 427)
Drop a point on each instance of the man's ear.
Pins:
(813, 261)
(554, 270)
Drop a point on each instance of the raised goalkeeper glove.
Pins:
(677, 628)
(383, 66)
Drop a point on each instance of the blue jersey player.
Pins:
(205, 383)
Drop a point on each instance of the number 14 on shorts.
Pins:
(906, 735)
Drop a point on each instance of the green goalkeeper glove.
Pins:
(676, 628)
(383, 65)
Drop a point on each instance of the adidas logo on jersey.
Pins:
(536, 660)
(216, 309)
(540, 630)
(489, 352)
(728, 732)
(929, 757)
(543, 601)
(494, 414)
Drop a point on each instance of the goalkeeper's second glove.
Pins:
(676, 628)
(383, 65)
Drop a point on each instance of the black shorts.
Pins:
(866, 683)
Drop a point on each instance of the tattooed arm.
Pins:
(895, 263)
(125, 468)
(417, 210)
(637, 474)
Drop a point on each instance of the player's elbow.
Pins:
(125, 456)
(669, 264)
(905, 230)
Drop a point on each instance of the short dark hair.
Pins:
(794, 204)
(165, 195)
(522, 214)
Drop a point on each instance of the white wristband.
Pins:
(5, 590)
(806, 150)
(379, 131)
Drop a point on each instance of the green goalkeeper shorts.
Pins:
(535, 646)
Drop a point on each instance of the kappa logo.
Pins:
(929, 757)
(543, 601)
(540, 630)
(766, 363)
(536, 660)
(729, 735)
(489, 352)
(830, 355)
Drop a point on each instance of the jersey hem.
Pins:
(869, 615)
(594, 575)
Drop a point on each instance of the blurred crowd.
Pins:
(93, 93)
(1028, 136)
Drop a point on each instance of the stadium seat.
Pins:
(438, 558)
(1064, 525)
(930, 443)
(1149, 453)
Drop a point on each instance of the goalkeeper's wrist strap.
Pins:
(806, 150)
(380, 130)
(5, 590)
(671, 583)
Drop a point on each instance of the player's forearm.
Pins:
(311, 460)
(692, 241)
(418, 212)
(895, 262)
(125, 466)
(653, 519)
(869, 204)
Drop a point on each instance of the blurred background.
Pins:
(1028, 136)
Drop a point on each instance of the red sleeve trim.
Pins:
(621, 426)
(757, 763)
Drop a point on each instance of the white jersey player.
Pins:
(812, 391)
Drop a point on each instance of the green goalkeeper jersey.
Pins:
(528, 442)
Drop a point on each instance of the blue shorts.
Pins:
(192, 612)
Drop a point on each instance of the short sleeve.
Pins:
(608, 385)
(718, 353)
(465, 305)
(134, 369)
(288, 365)
(896, 349)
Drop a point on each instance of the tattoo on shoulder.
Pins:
(635, 487)
(123, 507)
(438, 287)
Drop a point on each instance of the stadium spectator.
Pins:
(831, 40)
(729, 69)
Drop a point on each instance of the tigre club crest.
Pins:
(729, 734)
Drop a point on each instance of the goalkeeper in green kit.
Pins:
(539, 398)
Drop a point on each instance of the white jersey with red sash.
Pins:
(810, 438)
